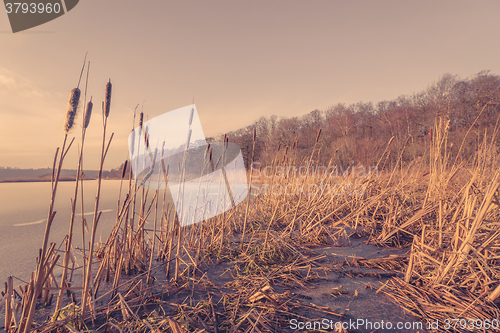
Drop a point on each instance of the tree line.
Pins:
(358, 134)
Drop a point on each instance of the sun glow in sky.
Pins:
(239, 60)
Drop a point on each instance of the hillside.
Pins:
(358, 134)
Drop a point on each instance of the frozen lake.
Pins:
(23, 216)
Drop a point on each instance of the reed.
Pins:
(445, 218)
(79, 176)
(8, 304)
(254, 136)
(104, 150)
(35, 288)
(45, 265)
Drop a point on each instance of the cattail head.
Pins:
(88, 113)
(141, 119)
(210, 157)
(74, 99)
(207, 150)
(154, 160)
(107, 102)
(124, 169)
(254, 134)
(146, 135)
(191, 117)
(188, 141)
(279, 147)
(317, 136)
(406, 142)
(165, 170)
(132, 143)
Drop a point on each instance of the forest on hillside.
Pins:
(358, 134)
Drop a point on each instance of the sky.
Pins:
(238, 60)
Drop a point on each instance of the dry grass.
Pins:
(445, 213)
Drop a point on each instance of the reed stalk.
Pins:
(8, 304)
(36, 289)
(180, 198)
(97, 214)
(79, 176)
(148, 278)
(254, 136)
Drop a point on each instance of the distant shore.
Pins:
(41, 180)
(15, 175)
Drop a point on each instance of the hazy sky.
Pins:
(239, 60)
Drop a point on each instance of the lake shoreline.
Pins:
(43, 180)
